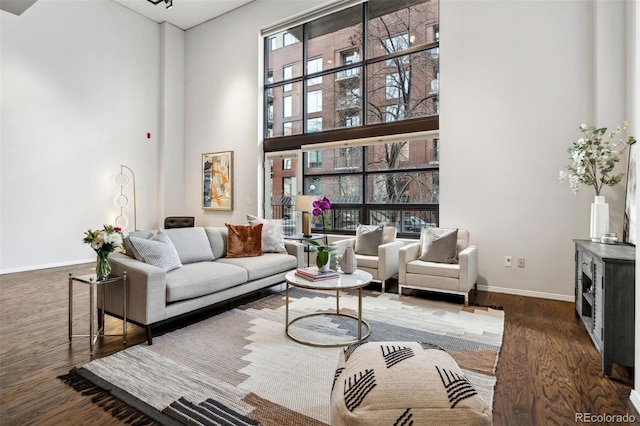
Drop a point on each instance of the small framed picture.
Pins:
(217, 180)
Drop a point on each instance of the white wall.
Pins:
(515, 85)
(80, 90)
(222, 93)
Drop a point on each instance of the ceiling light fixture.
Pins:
(169, 3)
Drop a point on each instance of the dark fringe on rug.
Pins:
(105, 399)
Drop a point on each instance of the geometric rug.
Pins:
(239, 367)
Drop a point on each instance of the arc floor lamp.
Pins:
(121, 201)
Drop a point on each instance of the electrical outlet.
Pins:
(508, 262)
(521, 262)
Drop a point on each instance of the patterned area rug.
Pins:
(239, 367)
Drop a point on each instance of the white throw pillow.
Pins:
(157, 251)
(272, 234)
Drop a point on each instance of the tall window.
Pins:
(393, 183)
(372, 64)
(362, 66)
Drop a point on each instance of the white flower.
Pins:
(594, 158)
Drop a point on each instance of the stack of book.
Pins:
(313, 274)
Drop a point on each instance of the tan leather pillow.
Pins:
(244, 240)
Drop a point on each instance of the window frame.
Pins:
(309, 141)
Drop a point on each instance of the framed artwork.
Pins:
(629, 227)
(217, 180)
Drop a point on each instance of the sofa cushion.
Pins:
(264, 266)
(272, 234)
(218, 240)
(157, 251)
(368, 238)
(244, 240)
(202, 278)
(191, 244)
(438, 245)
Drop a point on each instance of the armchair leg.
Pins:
(382, 282)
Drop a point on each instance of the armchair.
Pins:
(455, 278)
(384, 264)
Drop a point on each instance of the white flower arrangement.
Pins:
(105, 240)
(594, 158)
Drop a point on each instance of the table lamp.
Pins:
(304, 204)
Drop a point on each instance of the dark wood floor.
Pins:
(547, 372)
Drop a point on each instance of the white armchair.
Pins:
(451, 278)
(382, 266)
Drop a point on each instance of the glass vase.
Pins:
(103, 267)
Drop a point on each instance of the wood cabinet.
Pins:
(605, 299)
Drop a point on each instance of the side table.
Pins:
(307, 247)
(93, 283)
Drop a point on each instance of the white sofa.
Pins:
(455, 278)
(205, 278)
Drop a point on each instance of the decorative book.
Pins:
(313, 274)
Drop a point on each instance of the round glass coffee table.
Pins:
(357, 280)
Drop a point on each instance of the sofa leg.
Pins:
(149, 335)
(399, 290)
(382, 283)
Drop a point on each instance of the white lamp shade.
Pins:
(304, 203)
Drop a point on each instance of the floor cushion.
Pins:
(386, 383)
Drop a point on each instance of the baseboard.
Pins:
(635, 399)
(47, 266)
(528, 293)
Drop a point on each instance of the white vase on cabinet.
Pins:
(599, 218)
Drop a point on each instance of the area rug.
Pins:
(240, 368)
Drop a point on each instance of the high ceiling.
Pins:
(184, 14)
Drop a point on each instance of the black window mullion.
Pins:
(365, 207)
(305, 69)
(364, 81)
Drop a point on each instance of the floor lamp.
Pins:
(304, 204)
(121, 201)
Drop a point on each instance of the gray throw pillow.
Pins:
(438, 245)
(368, 238)
(128, 248)
(272, 234)
(157, 251)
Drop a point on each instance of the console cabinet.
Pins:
(605, 299)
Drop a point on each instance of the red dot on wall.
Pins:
(148, 135)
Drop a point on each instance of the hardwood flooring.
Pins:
(547, 372)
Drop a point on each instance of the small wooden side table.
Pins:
(93, 282)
